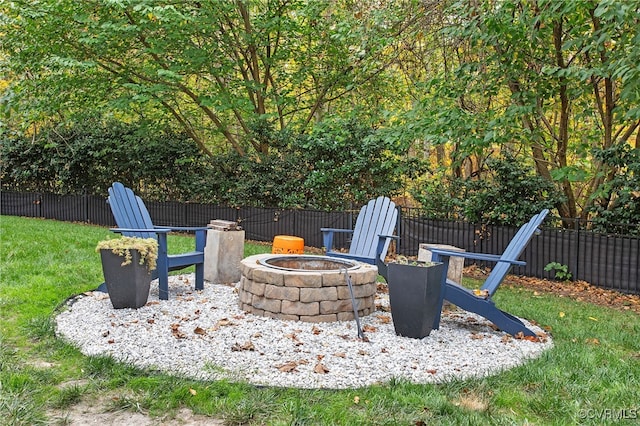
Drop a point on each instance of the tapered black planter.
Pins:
(128, 285)
(415, 297)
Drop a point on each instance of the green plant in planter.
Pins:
(402, 260)
(147, 247)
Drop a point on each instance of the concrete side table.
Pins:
(222, 254)
(456, 264)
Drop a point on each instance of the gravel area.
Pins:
(204, 335)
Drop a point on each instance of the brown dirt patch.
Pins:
(85, 414)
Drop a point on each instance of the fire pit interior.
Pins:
(306, 288)
(308, 263)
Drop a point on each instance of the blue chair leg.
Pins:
(200, 276)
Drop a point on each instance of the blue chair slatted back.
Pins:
(513, 251)
(377, 217)
(130, 212)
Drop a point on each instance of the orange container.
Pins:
(287, 244)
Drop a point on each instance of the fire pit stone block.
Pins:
(305, 295)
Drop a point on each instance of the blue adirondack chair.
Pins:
(133, 220)
(481, 303)
(372, 234)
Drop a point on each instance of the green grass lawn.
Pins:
(591, 376)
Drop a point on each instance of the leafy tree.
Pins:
(212, 66)
(546, 80)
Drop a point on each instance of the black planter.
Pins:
(128, 285)
(415, 297)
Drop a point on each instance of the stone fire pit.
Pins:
(305, 288)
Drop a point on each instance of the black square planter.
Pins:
(415, 297)
(128, 286)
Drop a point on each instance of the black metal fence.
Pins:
(606, 260)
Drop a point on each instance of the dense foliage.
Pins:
(265, 92)
(618, 201)
(90, 155)
(343, 164)
(511, 199)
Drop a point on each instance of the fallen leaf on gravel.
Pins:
(383, 308)
(320, 369)
(315, 330)
(111, 341)
(199, 330)
(477, 336)
(246, 346)
(340, 354)
(542, 336)
(369, 328)
(520, 336)
(432, 371)
(175, 330)
(384, 319)
(294, 337)
(288, 367)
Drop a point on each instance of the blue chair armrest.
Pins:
(159, 230)
(184, 228)
(327, 236)
(470, 255)
(344, 231)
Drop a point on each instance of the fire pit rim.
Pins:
(264, 261)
